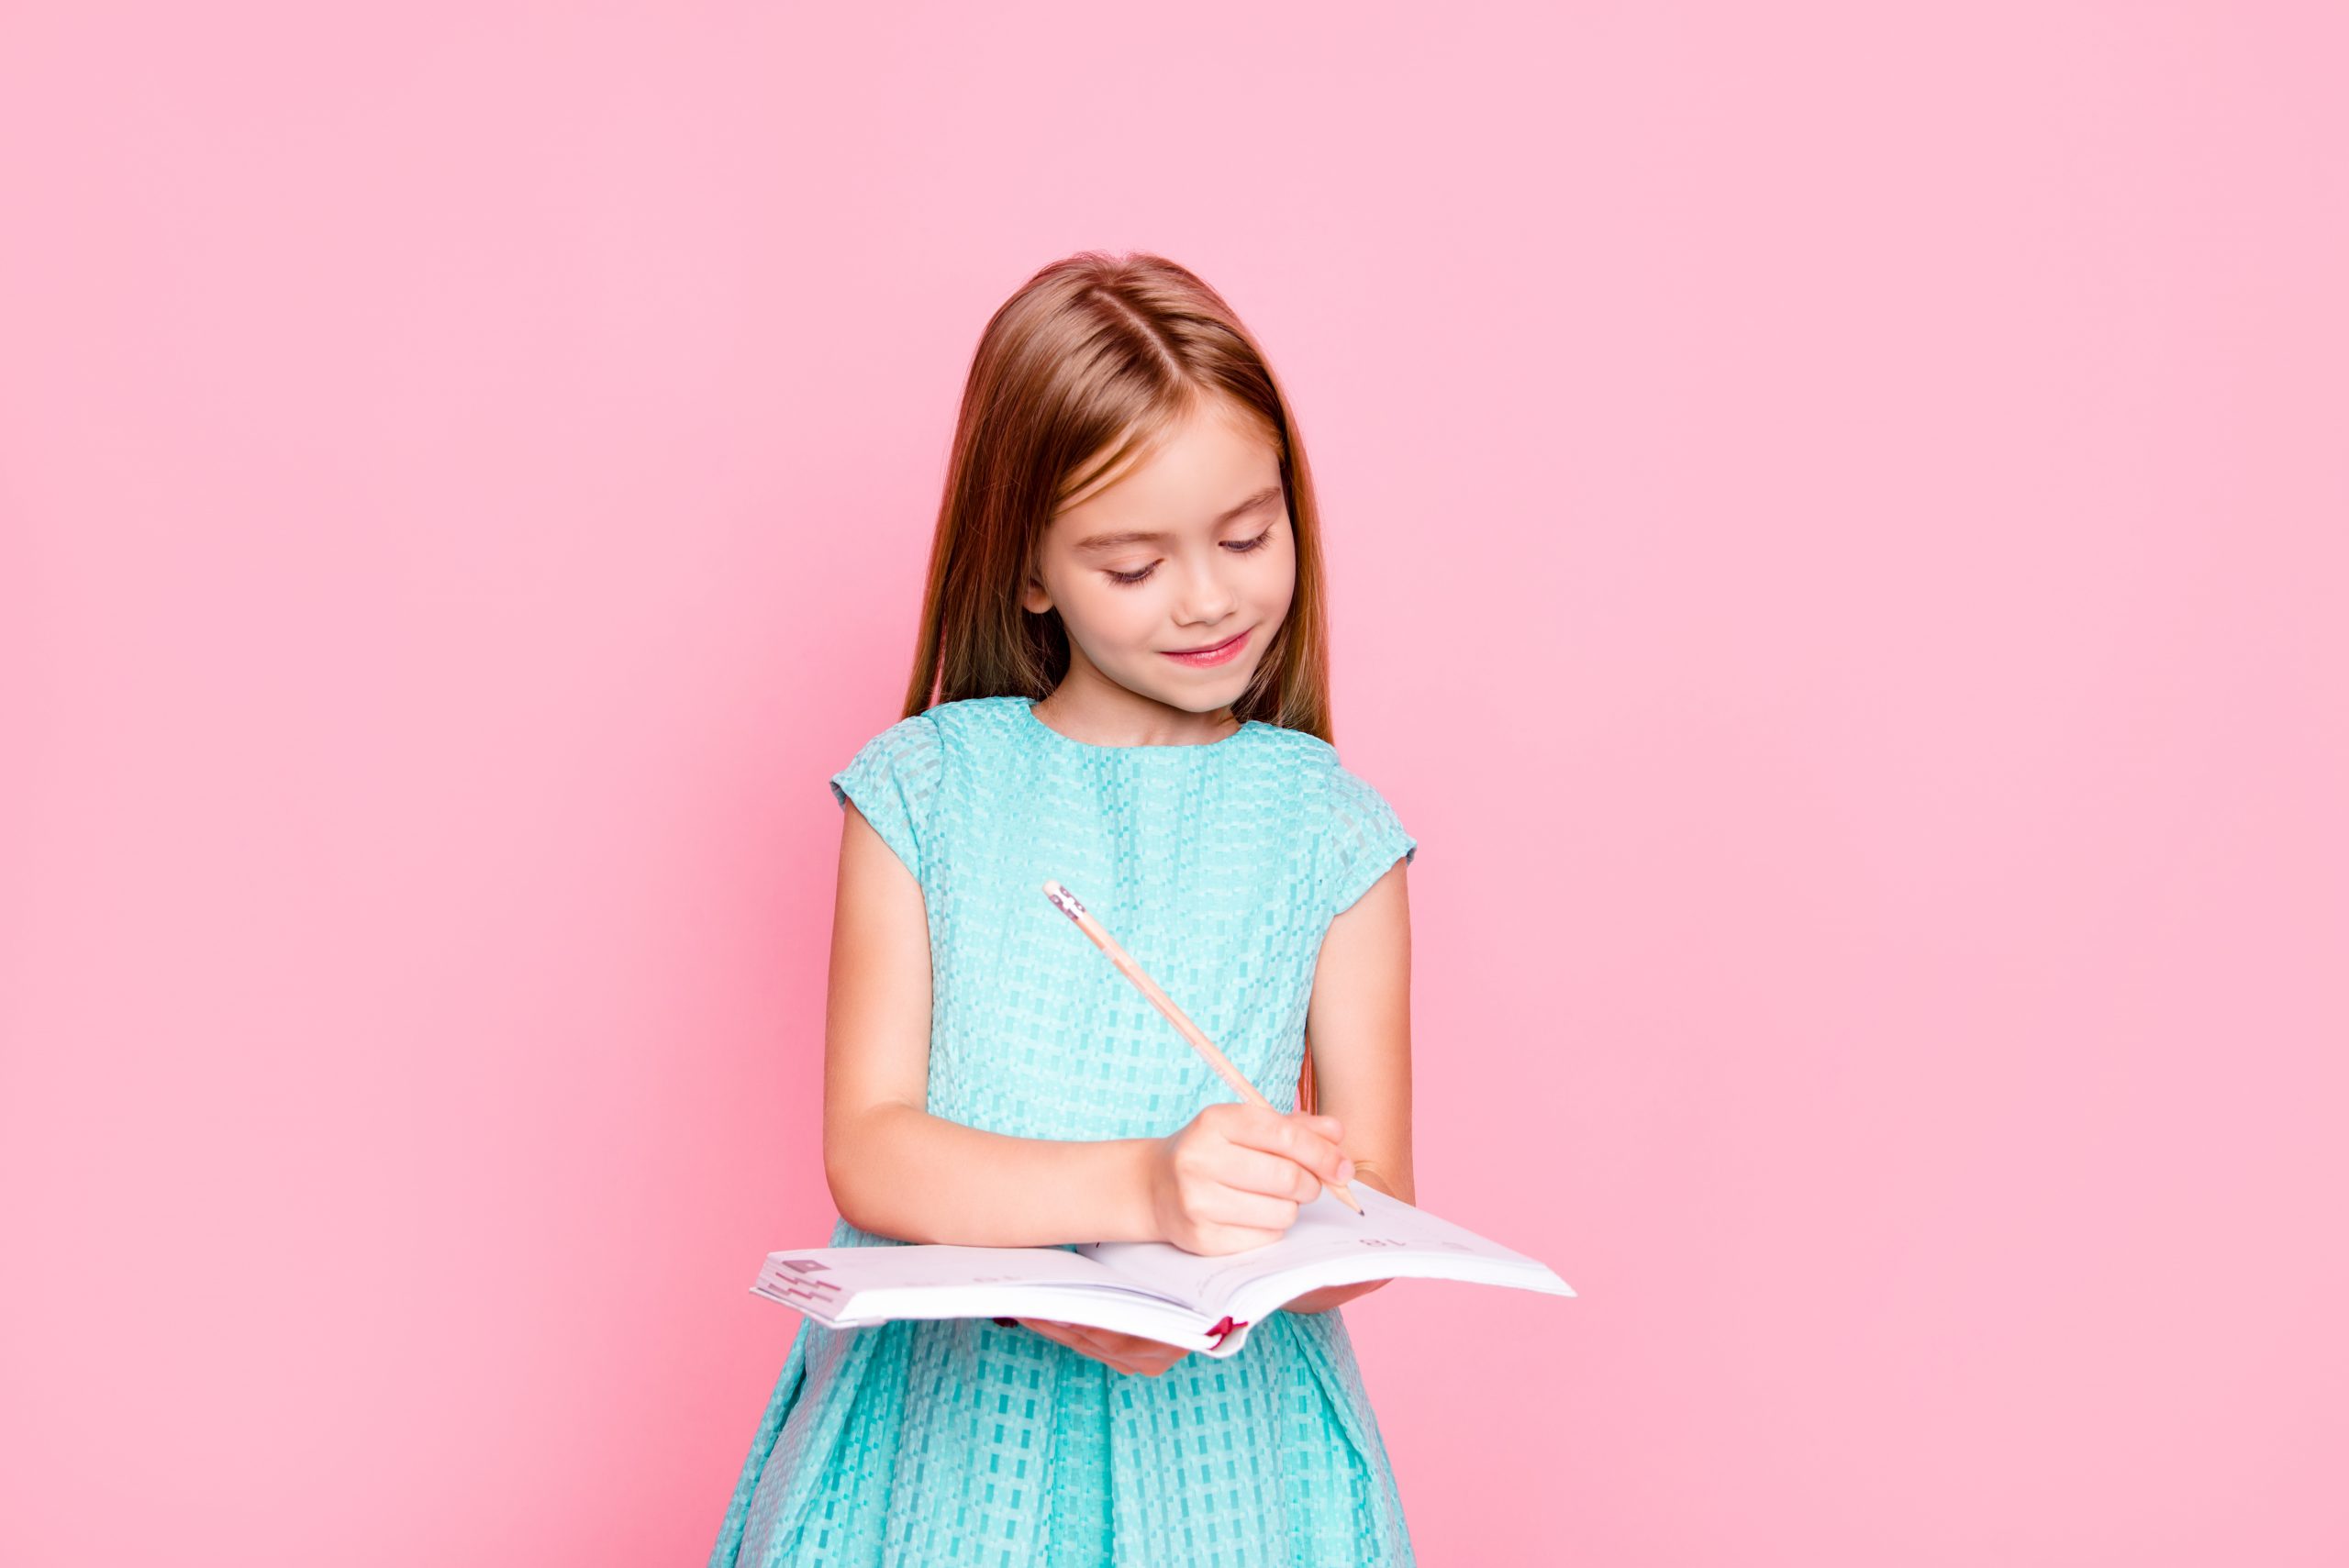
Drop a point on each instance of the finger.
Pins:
(1139, 1357)
(1092, 1339)
(1221, 1241)
(1165, 1359)
(1106, 1356)
(1127, 1353)
(1156, 1354)
(1134, 1364)
(1248, 1209)
(1059, 1333)
(1311, 1141)
(1136, 1347)
(1274, 1175)
(1077, 1336)
(1236, 1221)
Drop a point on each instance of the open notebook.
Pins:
(1151, 1288)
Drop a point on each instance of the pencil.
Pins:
(1067, 902)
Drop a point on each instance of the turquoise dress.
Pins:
(1219, 867)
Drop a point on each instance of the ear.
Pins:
(1034, 598)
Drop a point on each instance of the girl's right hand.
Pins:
(1234, 1177)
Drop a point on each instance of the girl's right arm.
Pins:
(1229, 1179)
(895, 1170)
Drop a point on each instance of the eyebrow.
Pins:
(1137, 535)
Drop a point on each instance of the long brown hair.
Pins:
(1076, 376)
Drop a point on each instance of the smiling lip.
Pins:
(1215, 653)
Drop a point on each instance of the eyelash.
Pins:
(1132, 579)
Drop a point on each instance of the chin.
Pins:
(1204, 696)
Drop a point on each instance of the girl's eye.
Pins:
(1240, 547)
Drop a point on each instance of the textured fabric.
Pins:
(1219, 867)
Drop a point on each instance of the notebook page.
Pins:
(832, 1277)
(1325, 1229)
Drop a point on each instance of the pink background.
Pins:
(1837, 520)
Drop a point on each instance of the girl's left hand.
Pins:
(1128, 1353)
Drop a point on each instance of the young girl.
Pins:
(1125, 631)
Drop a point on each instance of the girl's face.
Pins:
(1188, 549)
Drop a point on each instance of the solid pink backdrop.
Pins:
(1836, 517)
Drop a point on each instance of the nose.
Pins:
(1207, 598)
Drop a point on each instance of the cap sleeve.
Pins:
(893, 778)
(1364, 840)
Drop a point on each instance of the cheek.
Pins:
(1110, 617)
(1277, 587)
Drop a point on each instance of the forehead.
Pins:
(1199, 474)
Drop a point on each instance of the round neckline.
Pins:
(1027, 709)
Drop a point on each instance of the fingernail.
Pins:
(1345, 1170)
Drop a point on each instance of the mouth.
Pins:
(1214, 653)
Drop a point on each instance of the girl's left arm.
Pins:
(1358, 1025)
